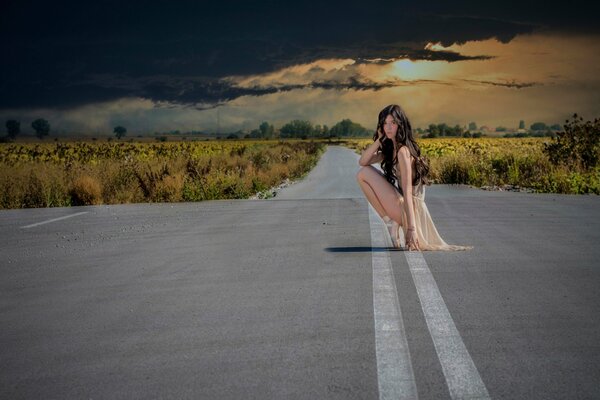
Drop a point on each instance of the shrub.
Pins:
(577, 146)
(85, 190)
(170, 188)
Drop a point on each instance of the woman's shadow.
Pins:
(360, 249)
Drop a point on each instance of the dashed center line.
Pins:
(54, 219)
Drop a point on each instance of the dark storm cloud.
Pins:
(222, 91)
(189, 91)
(63, 54)
(512, 84)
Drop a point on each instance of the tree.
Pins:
(41, 127)
(348, 128)
(433, 131)
(521, 124)
(538, 126)
(255, 134)
(457, 131)
(444, 129)
(13, 128)
(296, 128)
(266, 130)
(119, 131)
(501, 129)
(318, 131)
(472, 126)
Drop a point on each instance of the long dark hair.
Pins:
(404, 137)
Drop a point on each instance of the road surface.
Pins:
(302, 297)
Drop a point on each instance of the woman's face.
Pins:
(390, 127)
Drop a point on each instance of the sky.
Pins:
(157, 66)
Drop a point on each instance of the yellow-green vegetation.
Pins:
(80, 173)
(501, 161)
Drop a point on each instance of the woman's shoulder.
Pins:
(404, 151)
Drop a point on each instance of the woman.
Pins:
(400, 156)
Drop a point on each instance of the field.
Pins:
(485, 162)
(84, 173)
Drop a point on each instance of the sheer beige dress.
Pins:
(427, 234)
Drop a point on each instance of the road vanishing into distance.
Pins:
(302, 297)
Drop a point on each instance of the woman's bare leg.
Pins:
(370, 194)
(380, 193)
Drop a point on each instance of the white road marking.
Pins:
(54, 219)
(461, 374)
(394, 369)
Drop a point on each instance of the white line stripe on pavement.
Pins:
(54, 219)
(395, 375)
(461, 374)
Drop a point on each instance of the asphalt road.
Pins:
(299, 297)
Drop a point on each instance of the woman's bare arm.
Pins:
(370, 155)
(406, 178)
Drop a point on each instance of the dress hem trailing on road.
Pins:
(427, 234)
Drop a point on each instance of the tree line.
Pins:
(40, 126)
(42, 129)
(304, 129)
(294, 129)
(536, 129)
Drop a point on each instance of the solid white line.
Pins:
(461, 374)
(394, 369)
(54, 219)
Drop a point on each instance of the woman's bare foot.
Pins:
(394, 231)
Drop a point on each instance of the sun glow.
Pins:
(409, 70)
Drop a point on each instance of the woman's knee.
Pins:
(360, 175)
(363, 172)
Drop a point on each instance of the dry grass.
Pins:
(500, 161)
(85, 190)
(33, 175)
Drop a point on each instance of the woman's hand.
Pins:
(412, 243)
